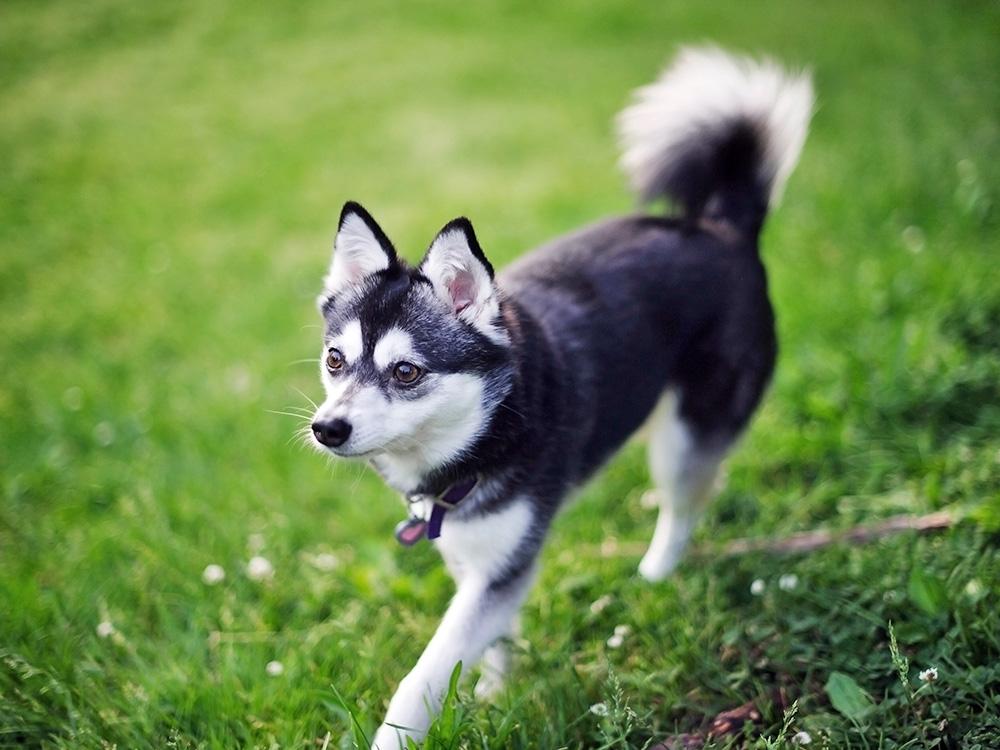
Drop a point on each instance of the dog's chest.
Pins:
(483, 546)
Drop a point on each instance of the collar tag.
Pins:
(413, 529)
(410, 531)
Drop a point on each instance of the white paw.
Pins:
(391, 738)
(490, 685)
(494, 667)
(656, 567)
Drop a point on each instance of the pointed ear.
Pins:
(461, 274)
(361, 249)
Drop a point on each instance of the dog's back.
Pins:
(639, 306)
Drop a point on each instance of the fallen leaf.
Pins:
(847, 696)
(729, 722)
(732, 721)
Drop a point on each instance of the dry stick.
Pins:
(805, 541)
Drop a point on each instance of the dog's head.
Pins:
(414, 360)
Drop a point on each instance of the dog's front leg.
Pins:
(480, 612)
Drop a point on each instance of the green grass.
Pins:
(171, 175)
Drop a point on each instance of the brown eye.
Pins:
(334, 360)
(407, 373)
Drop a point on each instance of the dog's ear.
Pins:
(461, 274)
(360, 249)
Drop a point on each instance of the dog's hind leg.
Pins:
(684, 469)
(495, 665)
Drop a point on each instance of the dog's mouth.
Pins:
(345, 451)
(399, 445)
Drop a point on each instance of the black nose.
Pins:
(332, 433)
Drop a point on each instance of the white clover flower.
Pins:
(104, 434)
(73, 398)
(616, 640)
(213, 574)
(105, 629)
(599, 709)
(928, 675)
(325, 561)
(757, 587)
(788, 582)
(240, 380)
(801, 738)
(974, 587)
(914, 239)
(259, 568)
(601, 604)
(609, 547)
(275, 668)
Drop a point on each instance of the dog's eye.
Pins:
(334, 360)
(407, 373)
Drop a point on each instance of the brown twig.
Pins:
(805, 541)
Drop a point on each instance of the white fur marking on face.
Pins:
(335, 390)
(366, 411)
(422, 434)
(356, 254)
(332, 407)
(349, 341)
(395, 346)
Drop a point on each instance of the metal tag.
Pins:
(411, 531)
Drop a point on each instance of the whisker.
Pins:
(357, 478)
(314, 405)
(287, 414)
(302, 409)
(301, 436)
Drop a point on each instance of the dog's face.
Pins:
(414, 360)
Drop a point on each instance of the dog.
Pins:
(486, 399)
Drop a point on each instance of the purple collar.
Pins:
(414, 528)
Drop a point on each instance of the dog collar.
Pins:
(415, 528)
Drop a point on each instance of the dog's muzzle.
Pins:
(332, 433)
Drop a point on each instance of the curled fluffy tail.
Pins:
(716, 134)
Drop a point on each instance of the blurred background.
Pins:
(171, 177)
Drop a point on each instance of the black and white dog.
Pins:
(487, 399)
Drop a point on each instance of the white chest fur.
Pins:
(481, 547)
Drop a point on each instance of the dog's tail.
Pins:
(716, 134)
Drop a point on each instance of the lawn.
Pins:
(171, 177)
